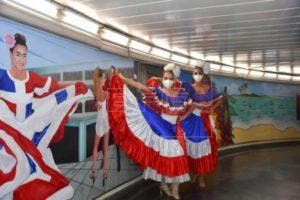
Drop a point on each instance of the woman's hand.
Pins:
(157, 78)
(182, 117)
(121, 76)
(207, 110)
(133, 83)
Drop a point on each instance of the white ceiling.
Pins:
(250, 32)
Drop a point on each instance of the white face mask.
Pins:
(168, 83)
(198, 77)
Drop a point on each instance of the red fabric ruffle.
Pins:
(206, 164)
(152, 82)
(9, 176)
(80, 88)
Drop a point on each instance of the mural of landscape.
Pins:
(259, 110)
(67, 60)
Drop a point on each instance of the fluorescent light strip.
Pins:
(256, 66)
(296, 78)
(178, 58)
(161, 43)
(161, 53)
(41, 6)
(180, 50)
(229, 60)
(270, 75)
(140, 46)
(272, 69)
(242, 56)
(286, 69)
(193, 62)
(114, 37)
(284, 77)
(243, 65)
(242, 71)
(80, 22)
(215, 67)
(296, 70)
(197, 55)
(256, 73)
(227, 69)
(213, 57)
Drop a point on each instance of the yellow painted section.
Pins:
(263, 132)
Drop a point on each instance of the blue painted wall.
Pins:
(51, 52)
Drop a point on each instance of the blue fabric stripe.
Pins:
(193, 128)
(2, 71)
(29, 110)
(39, 135)
(31, 164)
(172, 101)
(61, 96)
(159, 126)
(6, 83)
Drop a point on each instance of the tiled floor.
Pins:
(78, 174)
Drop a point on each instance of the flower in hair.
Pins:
(174, 68)
(9, 40)
(204, 65)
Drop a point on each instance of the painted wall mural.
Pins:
(68, 60)
(259, 110)
(51, 52)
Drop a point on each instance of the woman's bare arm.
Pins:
(217, 103)
(188, 112)
(135, 84)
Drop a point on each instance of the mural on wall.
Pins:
(223, 121)
(67, 60)
(258, 110)
(50, 52)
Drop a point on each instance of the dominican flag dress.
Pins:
(33, 113)
(200, 133)
(149, 132)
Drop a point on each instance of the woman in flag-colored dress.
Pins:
(150, 133)
(33, 112)
(198, 125)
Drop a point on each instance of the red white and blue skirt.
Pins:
(201, 143)
(155, 142)
(27, 168)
